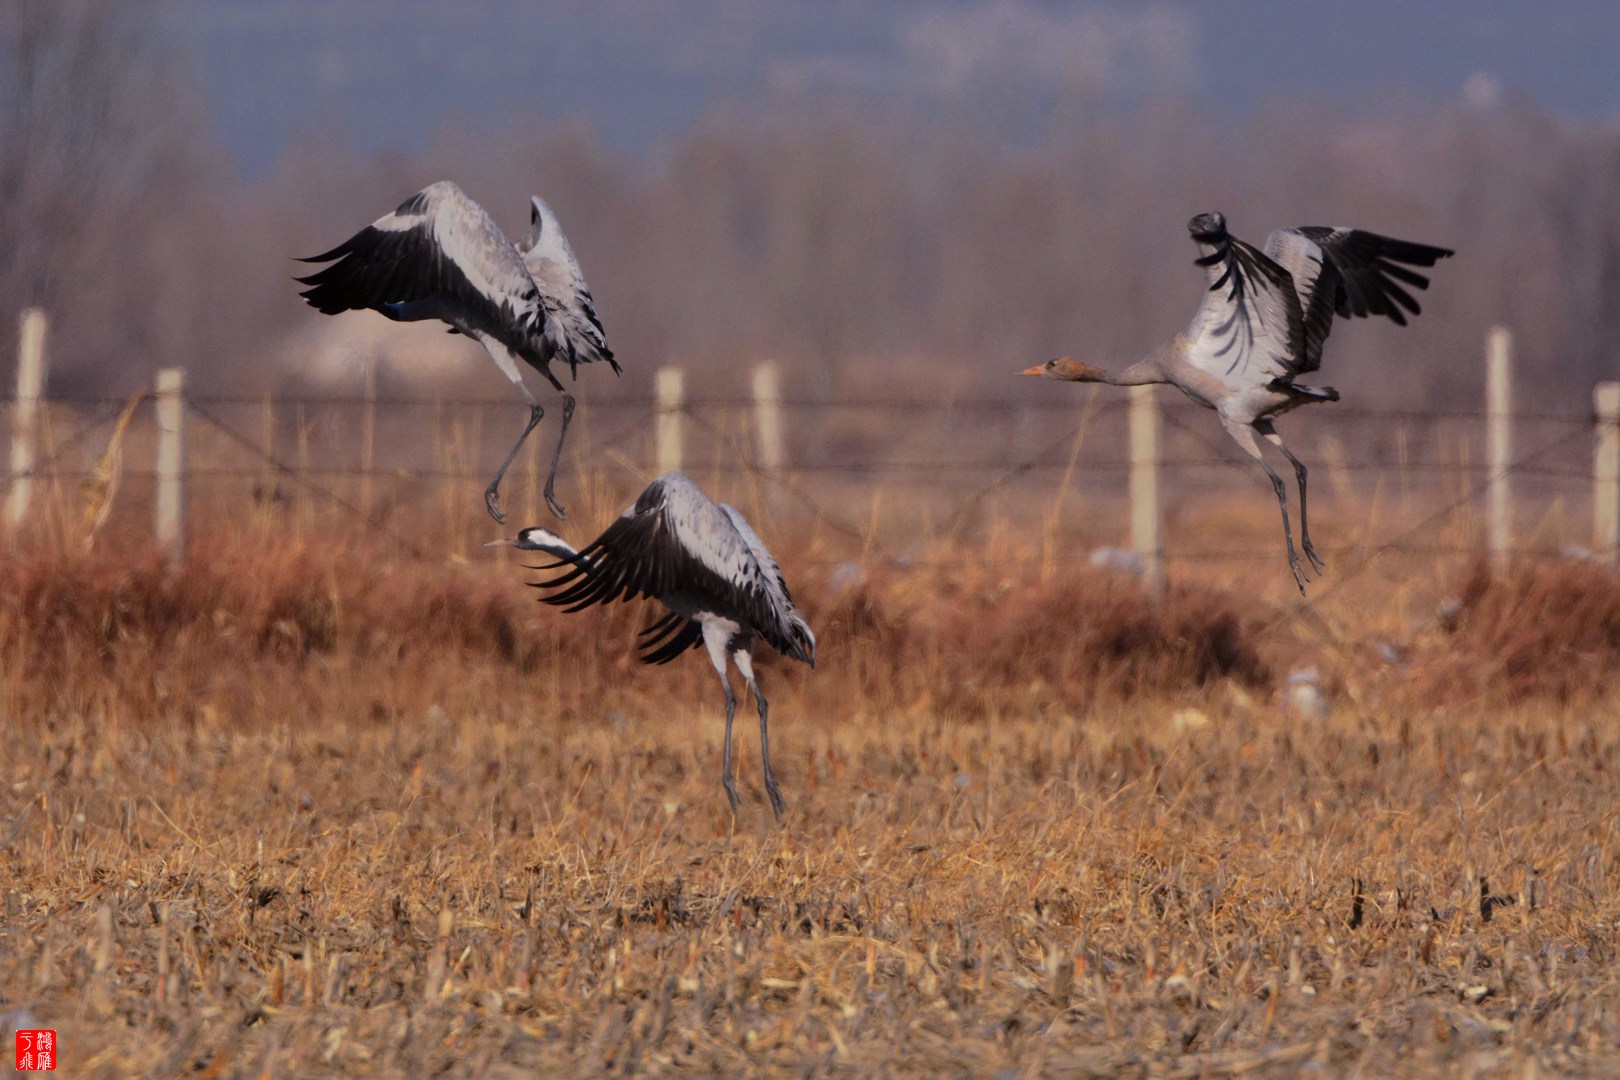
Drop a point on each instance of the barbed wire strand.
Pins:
(975, 404)
(297, 477)
(1306, 606)
(45, 470)
(1008, 472)
(947, 471)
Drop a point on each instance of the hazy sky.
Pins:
(392, 73)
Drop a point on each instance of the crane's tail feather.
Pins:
(674, 636)
(658, 630)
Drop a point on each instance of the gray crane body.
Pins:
(1262, 322)
(440, 256)
(702, 561)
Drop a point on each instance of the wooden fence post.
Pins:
(171, 463)
(30, 385)
(670, 436)
(1499, 440)
(1146, 514)
(768, 416)
(1606, 473)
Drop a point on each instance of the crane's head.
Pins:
(1209, 227)
(1068, 369)
(541, 219)
(536, 538)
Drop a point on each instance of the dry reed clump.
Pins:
(292, 602)
(1537, 629)
(137, 634)
(1074, 637)
(82, 632)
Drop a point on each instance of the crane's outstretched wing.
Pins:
(675, 541)
(1349, 273)
(551, 263)
(438, 256)
(1249, 325)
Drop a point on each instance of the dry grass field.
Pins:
(309, 807)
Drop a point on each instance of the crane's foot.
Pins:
(1300, 577)
(731, 793)
(1316, 560)
(492, 502)
(556, 507)
(776, 797)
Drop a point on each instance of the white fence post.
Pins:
(1146, 515)
(1606, 473)
(768, 416)
(1499, 439)
(670, 435)
(171, 463)
(30, 385)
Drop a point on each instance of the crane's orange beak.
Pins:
(1038, 369)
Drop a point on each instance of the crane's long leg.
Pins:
(1265, 428)
(1294, 563)
(745, 664)
(556, 455)
(508, 362)
(726, 778)
(1243, 435)
(717, 639)
(492, 498)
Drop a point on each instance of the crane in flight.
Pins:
(704, 563)
(440, 256)
(1263, 320)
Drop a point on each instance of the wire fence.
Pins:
(887, 473)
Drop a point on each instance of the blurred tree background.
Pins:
(863, 247)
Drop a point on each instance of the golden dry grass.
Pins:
(303, 809)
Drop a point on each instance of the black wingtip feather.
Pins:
(1402, 298)
(1401, 273)
(1408, 251)
(336, 253)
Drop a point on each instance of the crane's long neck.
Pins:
(1155, 367)
(1141, 373)
(1151, 369)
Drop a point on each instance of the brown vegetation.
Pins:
(1540, 629)
(1060, 642)
(310, 807)
(308, 810)
(78, 623)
